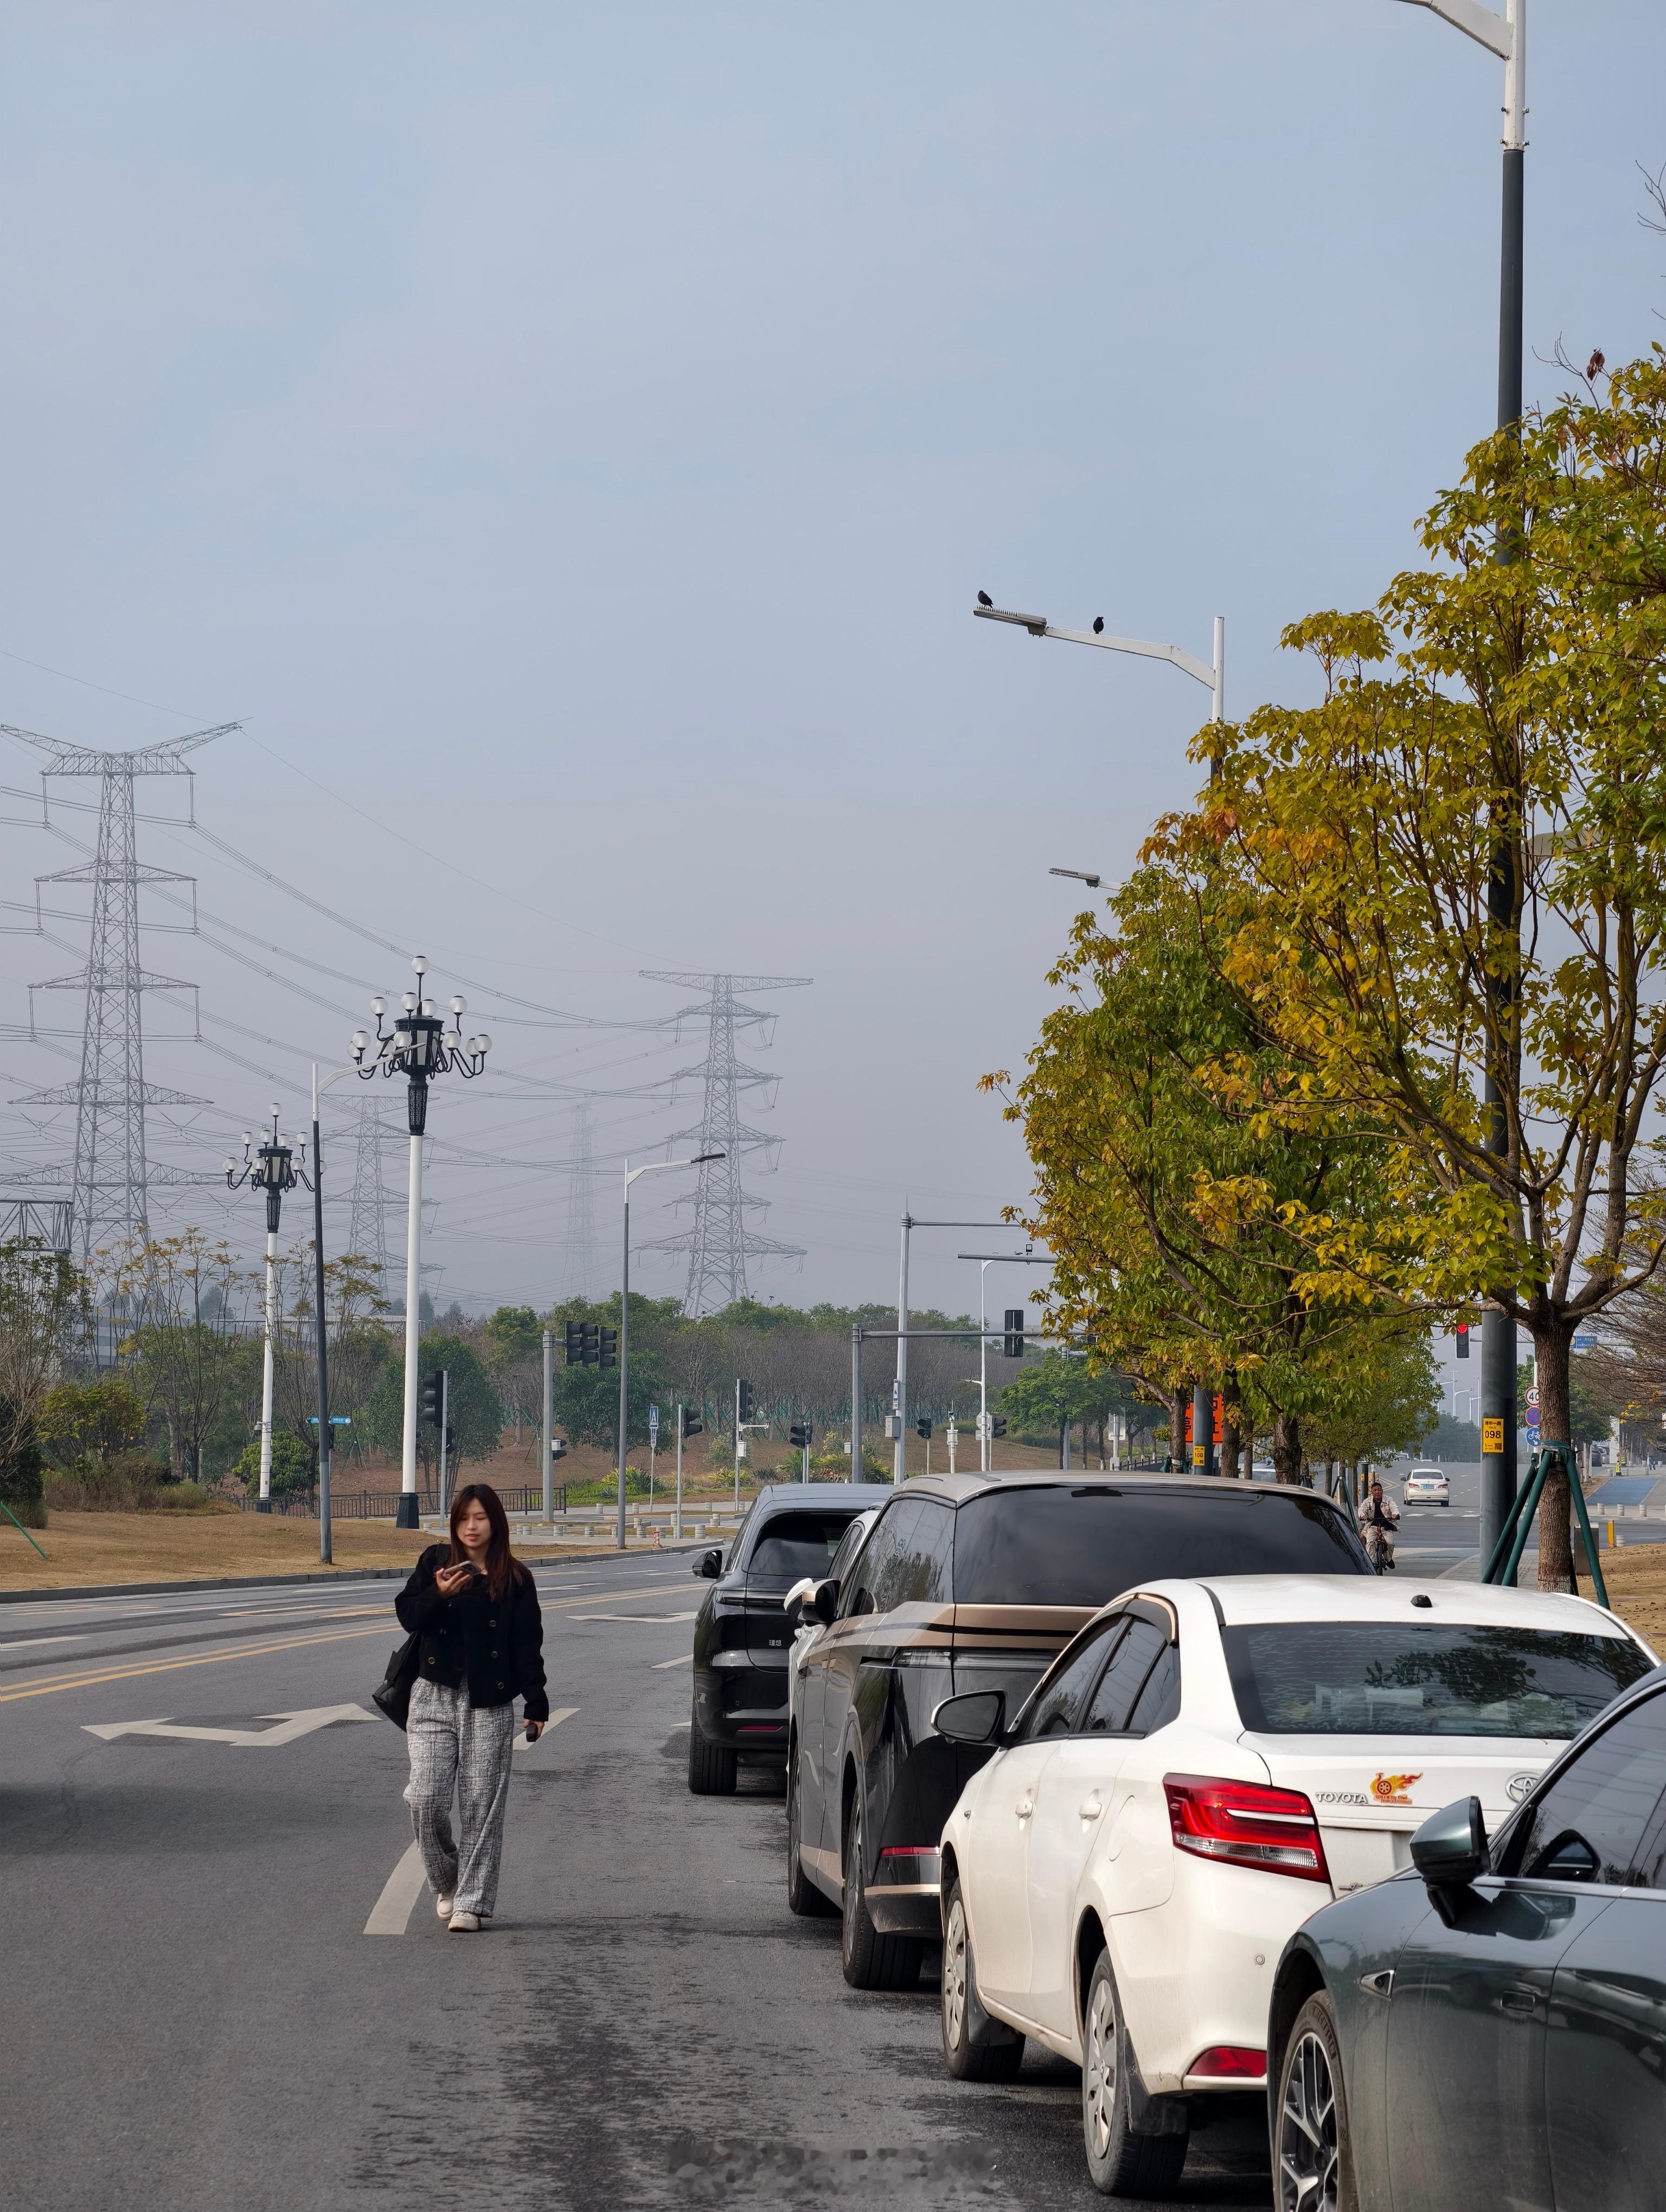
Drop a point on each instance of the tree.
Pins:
(84, 1425)
(1052, 1392)
(294, 1466)
(1515, 704)
(44, 1313)
(472, 1404)
(181, 1356)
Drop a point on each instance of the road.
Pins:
(197, 2019)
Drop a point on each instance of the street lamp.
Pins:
(900, 1390)
(630, 1175)
(1505, 36)
(1211, 674)
(992, 1260)
(419, 1047)
(271, 1168)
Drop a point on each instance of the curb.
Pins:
(268, 1582)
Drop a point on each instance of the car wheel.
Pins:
(1119, 2163)
(711, 1765)
(1312, 2154)
(976, 2047)
(871, 1962)
(802, 1895)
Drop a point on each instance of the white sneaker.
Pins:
(464, 1923)
(442, 1906)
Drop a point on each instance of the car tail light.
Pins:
(1230, 2061)
(1245, 1825)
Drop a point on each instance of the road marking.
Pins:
(632, 1616)
(302, 1611)
(686, 1660)
(26, 1642)
(561, 1713)
(172, 1666)
(389, 1914)
(291, 1725)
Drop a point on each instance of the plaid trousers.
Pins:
(461, 1749)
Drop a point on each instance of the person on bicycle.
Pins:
(1378, 1521)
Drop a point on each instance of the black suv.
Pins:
(974, 1583)
(741, 1633)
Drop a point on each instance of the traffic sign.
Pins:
(1533, 1416)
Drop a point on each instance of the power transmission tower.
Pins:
(581, 1269)
(367, 1228)
(720, 1243)
(111, 1176)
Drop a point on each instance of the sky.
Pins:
(568, 440)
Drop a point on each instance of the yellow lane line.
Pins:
(172, 1666)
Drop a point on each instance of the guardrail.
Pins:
(384, 1505)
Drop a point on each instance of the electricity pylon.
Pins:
(367, 1227)
(720, 1243)
(111, 1177)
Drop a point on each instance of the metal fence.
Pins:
(384, 1505)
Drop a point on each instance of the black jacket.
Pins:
(494, 1645)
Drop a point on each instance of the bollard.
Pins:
(1611, 1542)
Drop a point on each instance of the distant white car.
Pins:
(1425, 1485)
(1262, 1470)
(1204, 1765)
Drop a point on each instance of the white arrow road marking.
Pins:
(291, 1725)
(686, 1660)
(407, 1882)
(631, 1616)
(561, 1713)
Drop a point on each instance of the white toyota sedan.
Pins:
(1426, 1486)
(1203, 1767)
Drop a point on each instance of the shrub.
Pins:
(292, 1464)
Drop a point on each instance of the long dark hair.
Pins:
(500, 1568)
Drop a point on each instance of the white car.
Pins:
(1262, 1470)
(1199, 1770)
(1426, 1486)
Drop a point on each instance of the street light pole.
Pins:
(548, 1409)
(909, 1224)
(1213, 674)
(992, 1260)
(272, 1170)
(321, 1330)
(653, 1167)
(1505, 36)
(419, 1047)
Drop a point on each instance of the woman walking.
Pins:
(475, 1611)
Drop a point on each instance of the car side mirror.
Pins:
(792, 1603)
(974, 1716)
(1450, 1849)
(823, 1600)
(707, 1566)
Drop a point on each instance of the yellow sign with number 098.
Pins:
(1492, 1434)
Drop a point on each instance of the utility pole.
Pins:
(651, 1167)
(547, 1425)
(444, 1440)
(901, 1395)
(325, 1546)
(679, 1471)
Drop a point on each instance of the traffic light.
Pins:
(997, 1425)
(692, 1423)
(922, 1427)
(583, 1344)
(607, 1347)
(1012, 1345)
(1462, 1333)
(745, 1401)
(799, 1436)
(432, 1389)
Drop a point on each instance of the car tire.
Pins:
(1313, 2149)
(871, 1962)
(976, 2047)
(1120, 2163)
(711, 1765)
(802, 1895)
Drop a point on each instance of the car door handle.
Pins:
(1519, 1999)
(1089, 1809)
(1024, 1807)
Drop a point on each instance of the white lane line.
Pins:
(631, 1616)
(660, 1665)
(389, 1914)
(27, 1643)
(561, 1713)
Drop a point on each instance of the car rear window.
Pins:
(1378, 1678)
(1064, 1544)
(790, 1545)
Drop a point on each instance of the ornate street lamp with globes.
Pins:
(274, 1167)
(419, 1046)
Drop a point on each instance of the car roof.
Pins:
(958, 1488)
(856, 1495)
(1246, 1600)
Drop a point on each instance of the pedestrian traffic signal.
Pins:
(799, 1436)
(997, 1426)
(432, 1390)
(607, 1347)
(745, 1401)
(583, 1344)
(692, 1423)
(1012, 1345)
(922, 1427)
(1462, 1333)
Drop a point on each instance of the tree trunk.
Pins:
(1552, 1346)
(1232, 1430)
(1178, 1402)
(1287, 1447)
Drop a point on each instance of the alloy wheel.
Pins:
(1308, 2164)
(1099, 2069)
(954, 1975)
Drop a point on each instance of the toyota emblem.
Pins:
(1517, 1787)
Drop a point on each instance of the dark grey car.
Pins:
(1489, 2028)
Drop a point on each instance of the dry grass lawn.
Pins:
(143, 1547)
(1636, 1579)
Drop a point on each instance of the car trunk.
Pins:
(1372, 1793)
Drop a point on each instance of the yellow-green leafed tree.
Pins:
(1516, 704)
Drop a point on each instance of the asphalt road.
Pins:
(195, 2018)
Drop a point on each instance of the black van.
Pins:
(974, 1583)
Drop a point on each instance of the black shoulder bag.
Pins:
(392, 1694)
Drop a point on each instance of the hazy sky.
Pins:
(570, 438)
